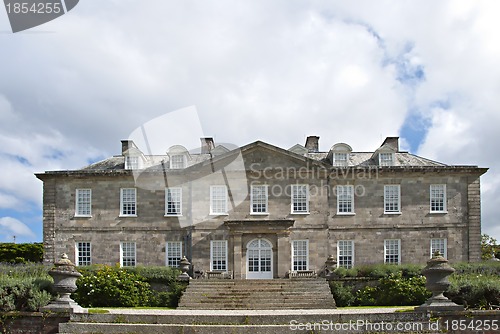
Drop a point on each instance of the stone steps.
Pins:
(257, 294)
(245, 322)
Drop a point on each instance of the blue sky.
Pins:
(277, 71)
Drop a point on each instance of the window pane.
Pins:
(438, 245)
(300, 256)
(128, 254)
(345, 199)
(345, 253)
(391, 198)
(173, 201)
(438, 197)
(174, 253)
(177, 161)
(218, 200)
(392, 251)
(128, 201)
(131, 162)
(83, 202)
(259, 199)
(340, 159)
(386, 159)
(218, 251)
(84, 256)
(300, 201)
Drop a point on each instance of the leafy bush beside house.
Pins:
(21, 253)
(128, 287)
(475, 285)
(24, 287)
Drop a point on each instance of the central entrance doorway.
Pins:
(259, 259)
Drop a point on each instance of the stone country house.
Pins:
(260, 211)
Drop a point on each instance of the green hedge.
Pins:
(474, 285)
(21, 253)
(128, 287)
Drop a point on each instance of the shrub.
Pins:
(475, 290)
(22, 294)
(478, 268)
(395, 290)
(115, 287)
(21, 253)
(342, 294)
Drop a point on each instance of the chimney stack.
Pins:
(126, 145)
(207, 145)
(392, 142)
(312, 143)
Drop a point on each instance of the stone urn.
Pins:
(436, 273)
(184, 265)
(65, 276)
(330, 266)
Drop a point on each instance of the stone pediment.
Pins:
(259, 156)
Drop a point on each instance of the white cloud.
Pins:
(259, 70)
(10, 227)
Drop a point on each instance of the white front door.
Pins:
(259, 259)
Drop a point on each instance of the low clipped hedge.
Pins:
(474, 285)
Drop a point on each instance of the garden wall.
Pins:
(31, 322)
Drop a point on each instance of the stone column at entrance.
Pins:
(284, 253)
(237, 242)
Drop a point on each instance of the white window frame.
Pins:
(175, 194)
(176, 163)
(218, 252)
(437, 192)
(83, 253)
(345, 260)
(173, 253)
(392, 198)
(128, 254)
(340, 158)
(389, 250)
(300, 251)
(132, 162)
(218, 200)
(386, 159)
(297, 199)
(83, 203)
(345, 194)
(442, 242)
(259, 198)
(127, 200)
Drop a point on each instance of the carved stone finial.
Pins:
(184, 265)
(436, 272)
(65, 276)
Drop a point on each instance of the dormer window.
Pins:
(339, 154)
(132, 162)
(178, 161)
(340, 159)
(386, 159)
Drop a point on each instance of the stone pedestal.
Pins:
(436, 272)
(65, 276)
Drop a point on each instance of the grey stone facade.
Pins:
(366, 226)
